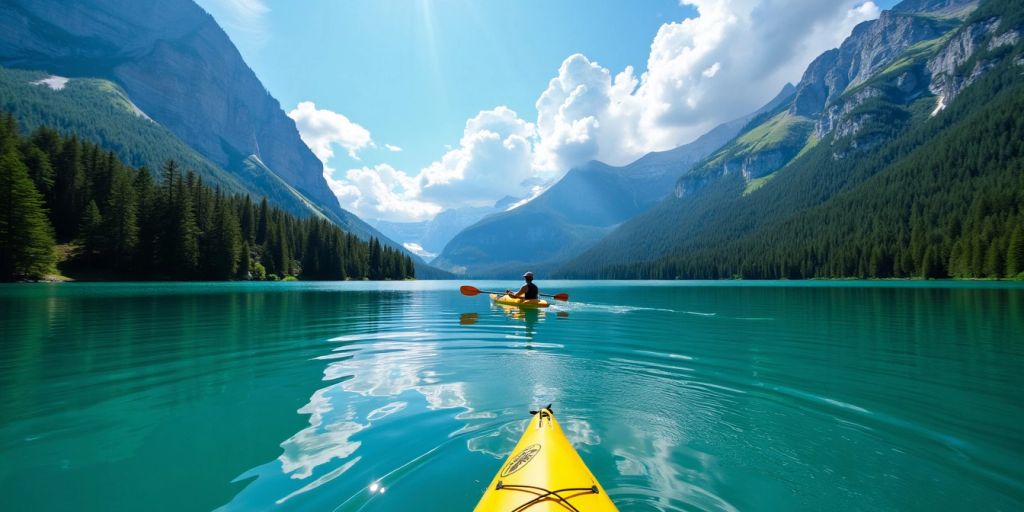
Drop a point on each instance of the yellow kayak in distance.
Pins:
(523, 303)
(544, 473)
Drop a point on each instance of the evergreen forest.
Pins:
(942, 197)
(107, 220)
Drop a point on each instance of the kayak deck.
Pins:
(523, 303)
(544, 473)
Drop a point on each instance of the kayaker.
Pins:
(528, 291)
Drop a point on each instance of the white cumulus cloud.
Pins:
(392, 148)
(322, 129)
(494, 159)
(725, 62)
(382, 192)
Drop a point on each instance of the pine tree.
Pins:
(262, 223)
(931, 265)
(244, 262)
(376, 260)
(90, 233)
(248, 219)
(39, 168)
(171, 174)
(49, 141)
(182, 233)
(26, 238)
(282, 255)
(69, 190)
(223, 242)
(121, 221)
(1015, 253)
(994, 259)
(150, 221)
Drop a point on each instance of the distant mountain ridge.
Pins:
(179, 67)
(580, 209)
(432, 235)
(860, 110)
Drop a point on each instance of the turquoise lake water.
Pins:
(408, 396)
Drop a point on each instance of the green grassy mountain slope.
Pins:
(896, 188)
(99, 111)
(844, 90)
(175, 63)
(584, 206)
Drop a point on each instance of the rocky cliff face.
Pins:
(872, 47)
(846, 92)
(949, 76)
(180, 68)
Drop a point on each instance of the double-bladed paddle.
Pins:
(471, 291)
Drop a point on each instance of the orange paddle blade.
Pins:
(561, 296)
(469, 290)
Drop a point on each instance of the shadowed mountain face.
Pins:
(584, 206)
(176, 64)
(755, 207)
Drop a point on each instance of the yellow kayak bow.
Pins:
(544, 473)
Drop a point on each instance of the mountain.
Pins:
(99, 110)
(432, 235)
(172, 62)
(580, 209)
(896, 157)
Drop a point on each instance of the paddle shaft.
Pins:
(469, 290)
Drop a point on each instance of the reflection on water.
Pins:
(405, 396)
(529, 316)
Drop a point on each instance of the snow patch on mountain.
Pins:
(53, 82)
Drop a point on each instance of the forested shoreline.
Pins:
(116, 222)
(942, 198)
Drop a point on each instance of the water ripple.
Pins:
(402, 396)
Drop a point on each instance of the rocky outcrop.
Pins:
(764, 163)
(182, 70)
(750, 165)
(687, 186)
(836, 86)
(947, 67)
(872, 47)
(843, 92)
(846, 118)
(177, 65)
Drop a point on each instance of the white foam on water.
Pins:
(617, 309)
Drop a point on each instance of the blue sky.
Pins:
(454, 83)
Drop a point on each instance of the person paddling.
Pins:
(528, 291)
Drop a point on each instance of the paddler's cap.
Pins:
(528, 274)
